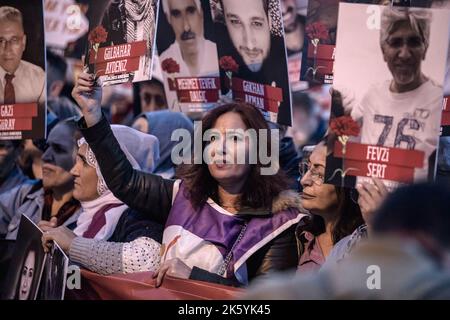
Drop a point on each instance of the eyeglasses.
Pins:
(398, 42)
(13, 42)
(316, 176)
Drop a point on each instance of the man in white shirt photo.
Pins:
(196, 55)
(20, 81)
(403, 112)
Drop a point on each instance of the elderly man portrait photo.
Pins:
(20, 81)
(398, 99)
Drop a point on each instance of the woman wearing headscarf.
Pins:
(161, 124)
(110, 237)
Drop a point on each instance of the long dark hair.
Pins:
(259, 190)
(349, 214)
(32, 246)
(348, 217)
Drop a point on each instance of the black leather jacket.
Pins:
(151, 195)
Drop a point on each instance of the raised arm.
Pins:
(144, 192)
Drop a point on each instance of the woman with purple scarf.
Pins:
(225, 222)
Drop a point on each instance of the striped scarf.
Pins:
(140, 12)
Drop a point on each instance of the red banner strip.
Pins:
(19, 110)
(194, 84)
(324, 52)
(119, 52)
(446, 104)
(445, 118)
(117, 66)
(257, 89)
(379, 170)
(20, 124)
(257, 101)
(379, 154)
(198, 96)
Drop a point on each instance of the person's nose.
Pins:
(249, 38)
(306, 180)
(186, 24)
(74, 171)
(152, 104)
(47, 156)
(219, 147)
(405, 52)
(222, 145)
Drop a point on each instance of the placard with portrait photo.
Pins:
(252, 55)
(294, 20)
(445, 130)
(27, 264)
(22, 70)
(320, 41)
(121, 41)
(387, 94)
(188, 55)
(65, 23)
(53, 282)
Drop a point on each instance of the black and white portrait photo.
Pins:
(251, 33)
(54, 275)
(26, 265)
(186, 39)
(121, 43)
(389, 73)
(22, 70)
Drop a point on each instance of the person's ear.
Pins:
(24, 41)
(383, 53)
(425, 52)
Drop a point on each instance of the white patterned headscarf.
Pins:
(141, 150)
(140, 24)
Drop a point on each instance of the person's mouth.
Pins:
(221, 163)
(253, 54)
(188, 36)
(307, 196)
(404, 65)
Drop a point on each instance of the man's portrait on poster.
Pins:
(20, 81)
(398, 105)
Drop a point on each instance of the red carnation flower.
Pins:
(170, 66)
(344, 125)
(227, 63)
(98, 35)
(317, 30)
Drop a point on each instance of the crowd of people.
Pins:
(104, 185)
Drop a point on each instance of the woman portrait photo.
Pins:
(29, 273)
(26, 267)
